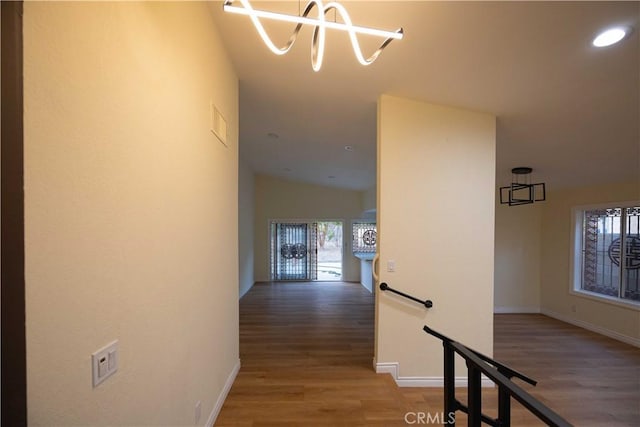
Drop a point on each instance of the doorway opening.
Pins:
(306, 251)
(330, 250)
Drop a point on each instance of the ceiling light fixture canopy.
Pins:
(522, 191)
(610, 36)
(320, 25)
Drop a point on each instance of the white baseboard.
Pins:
(367, 287)
(516, 310)
(393, 368)
(240, 295)
(593, 328)
(223, 395)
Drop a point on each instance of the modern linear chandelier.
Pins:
(320, 25)
(522, 191)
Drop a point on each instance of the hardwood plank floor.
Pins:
(306, 351)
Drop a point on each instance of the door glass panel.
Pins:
(329, 250)
(291, 252)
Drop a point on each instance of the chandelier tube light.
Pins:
(320, 25)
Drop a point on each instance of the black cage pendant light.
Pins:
(522, 191)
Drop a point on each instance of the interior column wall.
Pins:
(436, 204)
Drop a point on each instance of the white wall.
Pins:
(369, 199)
(517, 258)
(619, 322)
(278, 198)
(532, 264)
(131, 212)
(436, 192)
(246, 196)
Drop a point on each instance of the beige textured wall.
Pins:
(436, 202)
(246, 197)
(555, 261)
(282, 199)
(517, 258)
(131, 212)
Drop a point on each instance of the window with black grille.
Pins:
(364, 237)
(609, 260)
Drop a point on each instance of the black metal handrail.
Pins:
(478, 364)
(427, 303)
(503, 369)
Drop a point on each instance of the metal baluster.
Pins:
(450, 404)
(474, 398)
(504, 407)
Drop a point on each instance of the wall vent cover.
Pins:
(218, 124)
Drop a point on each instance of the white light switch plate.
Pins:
(104, 362)
(391, 266)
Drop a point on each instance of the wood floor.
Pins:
(306, 351)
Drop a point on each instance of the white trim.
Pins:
(516, 310)
(575, 249)
(223, 395)
(593, 328)
(605, 205)
(246, 290)
(606, 299)
(364, 286)
(393, 368)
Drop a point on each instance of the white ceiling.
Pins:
(567, 109)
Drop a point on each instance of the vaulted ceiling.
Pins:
(565, 108)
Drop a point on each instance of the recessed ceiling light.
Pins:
(349, 147)
(610, 36)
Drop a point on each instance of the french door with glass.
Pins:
(294, 250)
